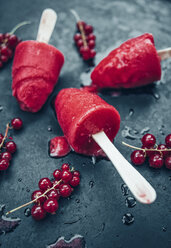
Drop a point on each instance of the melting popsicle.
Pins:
(36, 66)
(89, 125)
(135, 63)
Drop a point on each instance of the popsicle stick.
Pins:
(164, 53)
(137, 184)
(46, 26)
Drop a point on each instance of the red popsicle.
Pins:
(81, 114)
(135, 63)
(36, 69)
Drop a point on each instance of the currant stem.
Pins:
(80, 26)
(18, 26)
(5, 136)
(147, 149)
(30, 202)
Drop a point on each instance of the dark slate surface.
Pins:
(96, 208)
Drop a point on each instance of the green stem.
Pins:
(18, 26)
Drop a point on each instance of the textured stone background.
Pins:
(98, 205)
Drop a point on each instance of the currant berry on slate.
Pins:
(148, 153)
(1, 137)
(156, 161)
(137, 157)
(66, 176)
(45, 183)
(6, 155)
(168, 140)
(148, 140)
(4, 164)
(163, 147)
(76, 173)
(53, 194)
(65, 190)
(50, 205)
(57, 174)
(75, 181)
(16, 123)
(65, 166)
(10, 146)
(168, 162)
(38, 212)
(36, 194)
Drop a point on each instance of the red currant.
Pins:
(45, 183)
(12, 41)
(4, 50)
(148, 140)
(85, 50)
(82, 23)
(168, 162)
(88, 29)
(11, 146)
(1, 64)
(53, 194)
(57, 174)
(77, 37)
(17, 123)
(148, 153)
(4, 58)
(75, 181)
(168, 140)
(91, 44)
(6, 155)
(92, 53)
(1, 37)
(50, 205)
(36, 194)
(156, 161)
(1, 137)
(137, 157)
(163, 147)
(65, 166)
(37, 212)
(65, 190)
(76, 173)
(66, 176)
(56, 184)
(80, 43)
(91, 37)
(4, 164)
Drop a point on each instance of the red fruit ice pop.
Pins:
(133, 64)
(36, 66)
(89, 124)
(81, 114)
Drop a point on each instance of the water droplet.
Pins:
(125, 190)
(27, 212)
(130, 202)
(77, 200)
(156, 96)
(129, 133)
(19, 179)
(145, 130)
(83, 164)
(128, 219)
(49, 129)
(131, 113)
(164, 187)
(93, 159)
(164, 229)
(91, 184)
(1, 108)
(27, 189)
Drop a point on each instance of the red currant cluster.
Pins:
(85, 40)
(7, 148)
(158, 154)
(47, 196)
(8, 43)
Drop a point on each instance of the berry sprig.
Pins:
(158, 154)
(47, 196)
(7, 148)
(84, 38)
(8, 43)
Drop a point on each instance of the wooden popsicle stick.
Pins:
(46, 26)
(137, 184)
(164, 53)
